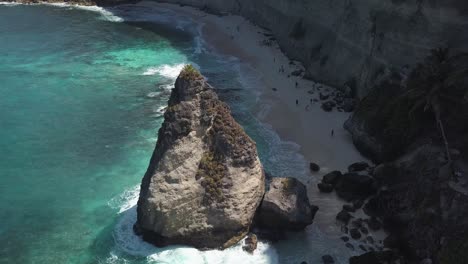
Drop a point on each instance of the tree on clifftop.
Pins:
(432, 86)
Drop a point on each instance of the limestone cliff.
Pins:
(205, 180)
(354, 42)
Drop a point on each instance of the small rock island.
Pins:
(205, 181)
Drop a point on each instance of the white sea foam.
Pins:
(106, 14)
(168, 71)
(128, 243)
(153, 94)
(126, 200)
(8, 3)
(160, 110)
(166, 87)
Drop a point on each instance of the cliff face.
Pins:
(416, 128)
(354, 43)
(205, 181)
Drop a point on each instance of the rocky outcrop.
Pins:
(361, 40)
(285, 206)
(410, 125)
(422, 205)
(204, 181)
(355, 186)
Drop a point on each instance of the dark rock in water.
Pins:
(362, 247)
(344, 238)
(314, 167)
(358, 166)
(374, 224)
(200, 148)
(327, 259)
(375, 257)
(325, 188)
(250, 243)
(354, 233)
(343, 216)
(328, 106)
(274, 89)
(332, 177)
(285, 206)
(349, 245)
(303, 262)
(349, 208)
(355, 186)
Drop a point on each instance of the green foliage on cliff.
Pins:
(190, 73)
(212, 171)
(232, 141)
(397, 115)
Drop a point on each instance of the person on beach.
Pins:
(297, 84)
(297, 101)
(332, 132)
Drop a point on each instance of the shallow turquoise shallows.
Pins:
(82, 95)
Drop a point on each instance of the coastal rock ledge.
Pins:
(205, 180)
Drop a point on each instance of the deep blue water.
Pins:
(82, 95)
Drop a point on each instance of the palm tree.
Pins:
(431, 88)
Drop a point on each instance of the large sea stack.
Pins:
(205, 180)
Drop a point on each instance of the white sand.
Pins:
(310, 128)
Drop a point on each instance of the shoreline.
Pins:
(235, 36)
(309, 129)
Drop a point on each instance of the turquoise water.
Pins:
(81, 99)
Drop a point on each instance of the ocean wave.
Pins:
(126, 200)
(128, 243)
(168, 71)
(105, 13)
(9, 4)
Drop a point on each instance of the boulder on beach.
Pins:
(204, 181)
(344, 216)
(358, 166)
(285, 206)
(332, 177)
(328, 106)
(327, 259)
(325, 187)
(355, 186)
(314, 167)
